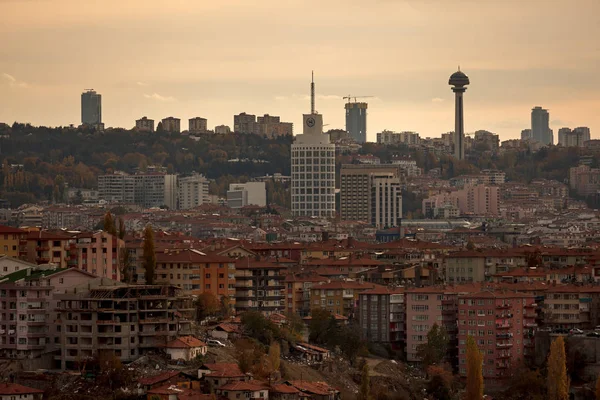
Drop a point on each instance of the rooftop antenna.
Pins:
(312, 93)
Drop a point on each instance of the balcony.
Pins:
(503, 306)
(504, 345)
(530, 325)
(504, 355)
(530, 315)
(532, 305)
(42, 248)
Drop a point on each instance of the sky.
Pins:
(214, 59)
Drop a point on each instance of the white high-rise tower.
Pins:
(313, 167)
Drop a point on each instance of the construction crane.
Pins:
(349, 97)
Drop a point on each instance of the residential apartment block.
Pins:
(98, 253)
(267, 125)
(27, 299)
(425, 307)
(382, 316)
(127, 321)
(338, 297)
(196, 272)
(360, 186)
(13, 242)
(171, 125)
(193, 191)
(571, 306)
(584, 180)
(198, 125)
(502, 324)
(243, 194)
(259, 286)
(145, 189)
(472, 200)
(45, 247)
(144, 124)
(389, 137)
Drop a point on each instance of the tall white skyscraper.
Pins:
(313, 167)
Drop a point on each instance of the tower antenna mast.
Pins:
(312, 93)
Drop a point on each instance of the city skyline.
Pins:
(404, 63)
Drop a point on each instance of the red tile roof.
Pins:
(153, 380)
(185, 342)
(10, 229)
(9, 389)
(182, 393)
(224, 370)
(384, 290)
(241, 387)
(318, 388)
(285, 389)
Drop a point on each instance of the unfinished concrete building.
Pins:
(109, 318)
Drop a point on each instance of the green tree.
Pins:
(557, 380)
(207, 304)
(149, 255)
(364, 392)
(258, 327)
(474, 371)
(435, 349)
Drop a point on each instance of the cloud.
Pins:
(12, 81)
(437, 100)
(158, 97)
(141, 83)
(281, 98)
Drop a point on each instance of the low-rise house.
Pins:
(13, 391)
(218, 374)
(174, 392)
(283, 392)
(311, 353)
(316, 390)
(243, 390)
(166, 378)
(186, 348)
(226, 331)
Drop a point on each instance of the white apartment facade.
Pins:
(193, 191)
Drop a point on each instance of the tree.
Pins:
(126, 273)
(440, 382)
(207, 304)
(319, 325)
(557, 380)
(474, 371)
(274, 356)
(348, 338)
(149, 256)
(364, 392)
(122, 230)
(525, 384)
(434, 350)
(295, 326)
(109, 224)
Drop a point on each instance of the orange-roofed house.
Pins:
(177, 392)
(164, 378)
(282, 391)
(382, 316)
(218, 374)
(243, 390)
(186, 348)
(338, 297)
(14, 391)
(316, 390)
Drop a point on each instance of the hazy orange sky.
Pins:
(218, 58)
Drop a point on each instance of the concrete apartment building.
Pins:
(144, 189)
(144, 124)
(425, 307)
(198, 125)
(584, 180)
(13, 242)
(171, 125)
(298, 292)
(196, 272)
(245, 123)
(338, 297)
(382, 316)
(127, 321)
(389, 137)
(8, 265)
(472, 200)
(259, 286)
(45, 247)
(502, 323)
(386, 201)
(98, 253)
(244, 194)
(570, 306)
(356, 120)
(27, 326)
(271, 126)
(573, 138)
(357, 182)
(487, 140)
(193, 191)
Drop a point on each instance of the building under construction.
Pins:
(109, 318)
(356, 120)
